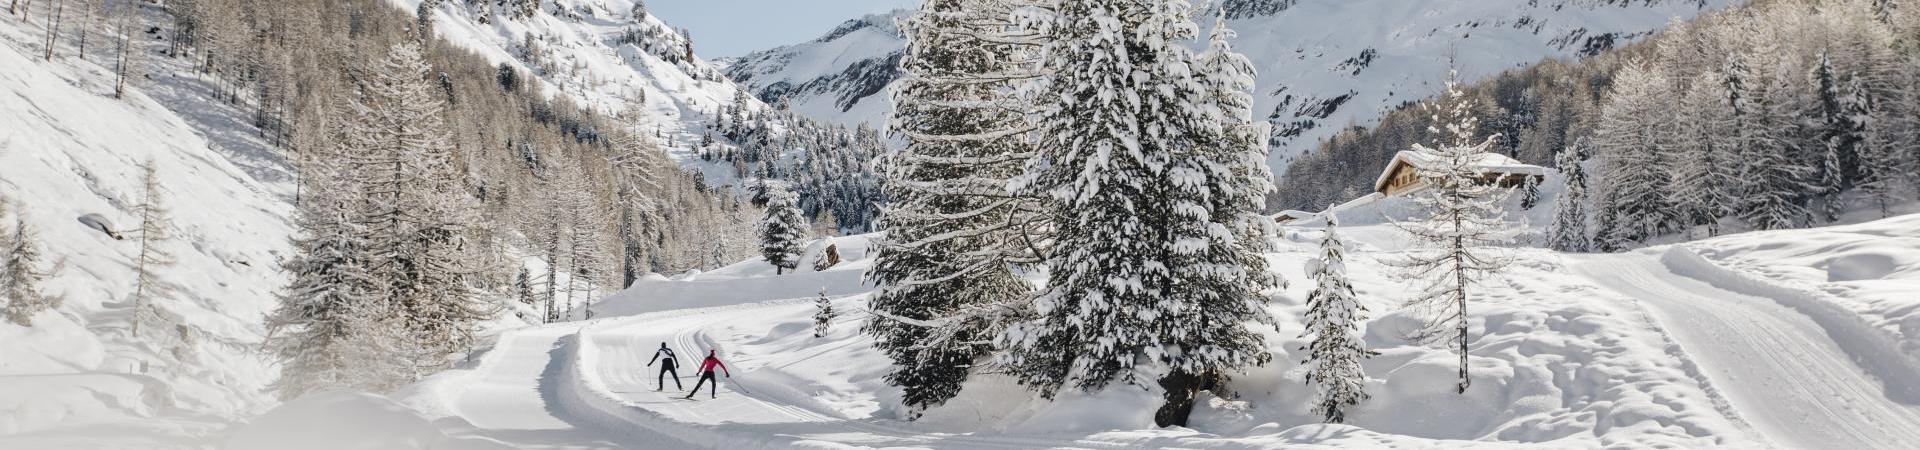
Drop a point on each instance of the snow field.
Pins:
(1571, 351)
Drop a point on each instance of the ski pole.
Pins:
(741, 387)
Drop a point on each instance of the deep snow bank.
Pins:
(341, 420)
(1871, 269)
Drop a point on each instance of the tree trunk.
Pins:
(1180, 387)
(53, 27)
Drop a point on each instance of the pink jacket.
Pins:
(710, 362)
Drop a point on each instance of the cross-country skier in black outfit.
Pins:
(706, 374)
(667, 365)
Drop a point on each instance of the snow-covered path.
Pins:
(587, 385)
(1780, 370)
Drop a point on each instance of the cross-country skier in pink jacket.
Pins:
(706, 374)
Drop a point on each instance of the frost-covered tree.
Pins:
(154, 225)
(1833, 138)
(1632, 144)
(334, 328)
(822, 314)
(417, 215)
(782, 230)
(1462, 220)
(1150, 279)
(955, 234)
(1570, 214)
(1704, 168)
(21, 271)
(1773, 162)
(524, 292)
(1217, 263)
(1890, 151)
(1333, 321)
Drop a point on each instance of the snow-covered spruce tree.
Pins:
(1834, 139)
(1570, 215)
(782, 230)
(1149, 280)
(1462, 220)
(333, 328)
(21, 271)
(417, 216)
(1217, 263)
(524, 292)
(1891, 151)
(1773, 163)
(1632, 143)
(1333, 321)
(1878, 167)
(154, 223)
(955, 234)
(1704, 170)
(822, 314)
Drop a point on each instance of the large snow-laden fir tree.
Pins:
(1632, 145)
(782, 230)
(1149, 279)
(1462, 221)
(1217, 263)
(417, 215)
(1775, 161)
(1334, 316)
(1704, 172)
(955, 234)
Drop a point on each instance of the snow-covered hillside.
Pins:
(600, 56)
(1323, 64)
(68, 148)
(841, 76)
(1713, 344)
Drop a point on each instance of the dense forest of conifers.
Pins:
(1783, 74)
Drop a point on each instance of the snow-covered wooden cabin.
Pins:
(1402, 177)
(1291, 215)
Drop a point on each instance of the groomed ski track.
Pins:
(1802, 373)
(1787, 364)
(588, 385)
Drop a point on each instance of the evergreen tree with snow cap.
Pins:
(781, 230)
(1333, 321)
(822, 315)
(1149, 280)
(946, 267)
(1570, 215)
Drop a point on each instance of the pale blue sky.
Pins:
(735, 27)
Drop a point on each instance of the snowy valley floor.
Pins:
(1800, 339)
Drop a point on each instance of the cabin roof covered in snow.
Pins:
(1490, 162)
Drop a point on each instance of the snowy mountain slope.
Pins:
(1323, 64)
(1663, 347)
(841, 76)
(77, 379)
(598, 55)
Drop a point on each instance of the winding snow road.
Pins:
(1780, 370)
